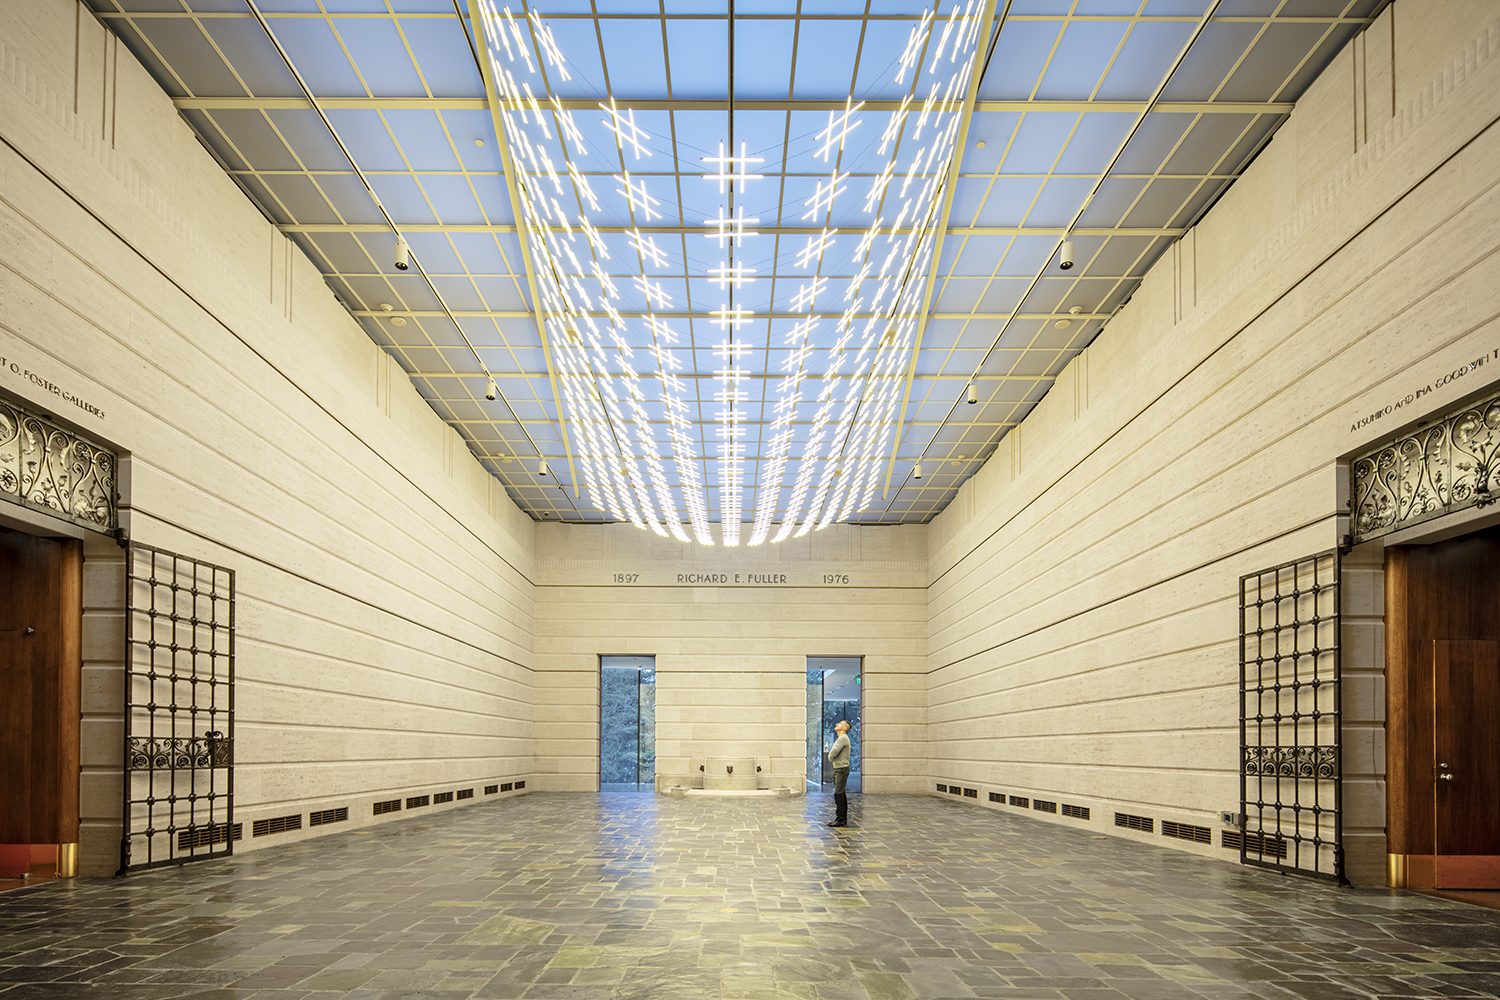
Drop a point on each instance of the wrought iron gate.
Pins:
(179, 710)
(1291, 809)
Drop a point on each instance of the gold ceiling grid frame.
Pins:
(943, 489)
(935, 418)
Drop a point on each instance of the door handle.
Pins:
(1445, 777)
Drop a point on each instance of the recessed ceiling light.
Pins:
(979, 144)
(479, 142)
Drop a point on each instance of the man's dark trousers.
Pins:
(840, 799)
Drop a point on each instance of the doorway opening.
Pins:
(834, 689)
(41, 618)
(1443, 695)
(627, 723)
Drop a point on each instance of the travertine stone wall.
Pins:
(731, 630)
(385, 594)
(1083, 630)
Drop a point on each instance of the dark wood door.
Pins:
(1466, 763)
(41, 618)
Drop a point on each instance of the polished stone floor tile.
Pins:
(624, 896)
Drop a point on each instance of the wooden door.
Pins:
(41, 618)
(1466, 762)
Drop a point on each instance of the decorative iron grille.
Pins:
(56, 470)
(179, 710)
(1290, 718)
(1435, 470)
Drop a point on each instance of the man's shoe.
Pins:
(837, 823)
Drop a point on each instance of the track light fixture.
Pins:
(1065, 255)
(916, 472)
(403, 254)
(491, 390)
(541, 469)
(973, 393)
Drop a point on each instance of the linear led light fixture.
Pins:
(609, 382)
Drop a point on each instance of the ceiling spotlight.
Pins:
(491, 390)
(1065, 256)
(398, 321)
(973, 393)
(479, 142)
(979, 144)
(403, 254)
(541, 470)
(916, 472)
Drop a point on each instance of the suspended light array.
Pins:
(621, 378)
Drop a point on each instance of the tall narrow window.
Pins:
(834, 689)
(627, 723)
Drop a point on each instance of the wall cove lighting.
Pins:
(672, 454)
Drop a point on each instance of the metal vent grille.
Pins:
(506, 786)
(418, 801)
(443, 797)
(1143, 823)
(491, 789)
(520, 785)
(466, 793)
(1253, 843)
(942, 788)
(1041, 805)
(971, 793)
(997, 796)
(955, 790)
(328, 816)
(1186, 831)
(393, 805)
(1017, 800)
(206, 836)
(1077, 812)
(277, 824)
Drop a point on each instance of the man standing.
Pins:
(838, 756)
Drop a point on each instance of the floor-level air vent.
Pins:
(491, 789)
(1041, 805)
(1143, 823)
(520, 785)
(955, 790)
(443, 797)
(207, 836)
(418, 801)
(1017, 800)
(507, 786)
(381, 808)
(1187, 831)
(1077, 812)
(327, 816)
(466, 793)
(942, 788)
(971, 793)
(997, 796)
(278, 824)
(1257, 844)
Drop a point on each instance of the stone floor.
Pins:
(650, 898)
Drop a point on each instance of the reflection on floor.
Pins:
(649, 898)
(1475, 897)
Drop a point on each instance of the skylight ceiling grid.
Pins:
(400, 83)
